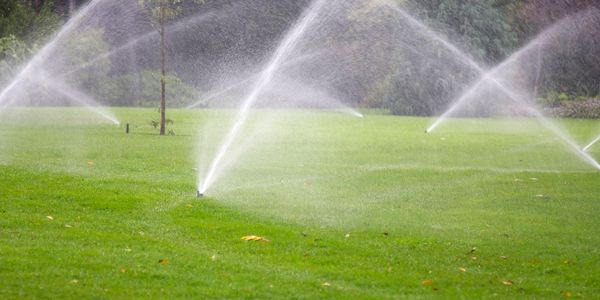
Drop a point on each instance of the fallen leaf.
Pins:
(163, 261)
(74, 281)
(567, 294)
(90, 163)
(122, 270)
(507, 282)
(474, 257)
(504, 257)
(326, 284)
(427, 282)
(462, 269)
(49, 218)
(68, 226)
(189, 205)
(254, 238)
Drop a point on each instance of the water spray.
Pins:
(279, 57)
(586, 148)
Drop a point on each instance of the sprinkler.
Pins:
(199, 194)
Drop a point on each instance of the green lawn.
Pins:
(352, 208)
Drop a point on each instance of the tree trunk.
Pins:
(36, 6)
(538, 75)
(71, 7)
(163, 106)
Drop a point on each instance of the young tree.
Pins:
(161, 12)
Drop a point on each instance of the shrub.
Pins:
(586, 109)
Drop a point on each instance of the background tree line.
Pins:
(487, 30)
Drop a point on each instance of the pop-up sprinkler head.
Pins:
(199, 194)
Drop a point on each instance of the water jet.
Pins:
(266, 76)
(586, 148)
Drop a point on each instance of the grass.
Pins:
(353, 208)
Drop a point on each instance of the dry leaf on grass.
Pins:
(427, 282)
(254, 238)
(507, 282)
(163, 261)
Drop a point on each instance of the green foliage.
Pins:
(563, 105)
(553, 99)
(581, 109)
(143, 89)
(84, 53)
(486, 26)
(19, 19)
(425, 86)
(156, 123)
(482, 24)
(12, 53)
(22, 31)
(166, 9)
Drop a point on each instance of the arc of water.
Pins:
(220, 93)
(267, 74)
(144, 37)
(436, 36)
(77, 96)
(43, 54)
(490, 75)
(485, 77)
(246, 80)
(586, 148)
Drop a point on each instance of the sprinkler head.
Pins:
(199, 194)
